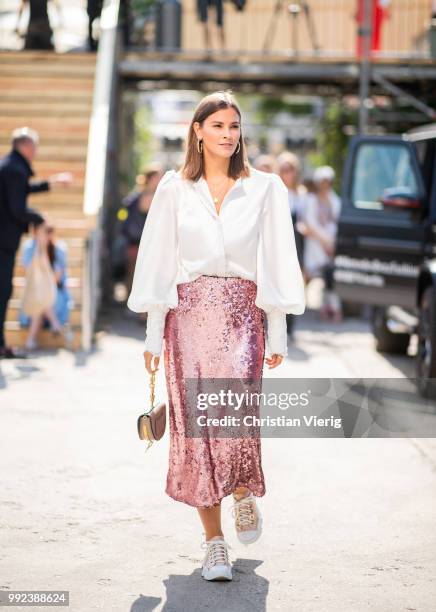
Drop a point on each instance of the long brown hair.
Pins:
(193, 166)
(51, 245)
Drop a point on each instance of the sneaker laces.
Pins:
(217, 553)
(243, 512)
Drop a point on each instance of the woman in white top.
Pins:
(217, 256)
(320, 228)
(320, 222)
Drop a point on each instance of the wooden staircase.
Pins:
(51, 93)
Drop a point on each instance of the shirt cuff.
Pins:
(155, 331)
(277, 336)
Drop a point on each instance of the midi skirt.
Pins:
(216, 331)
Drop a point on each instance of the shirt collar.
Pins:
(202, 189)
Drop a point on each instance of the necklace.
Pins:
(217, 196)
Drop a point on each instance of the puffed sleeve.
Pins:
(280, 285)
(154, 288)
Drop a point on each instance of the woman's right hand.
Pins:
(151, 362)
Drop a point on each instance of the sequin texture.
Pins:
(216, 331)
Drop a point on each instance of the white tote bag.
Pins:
(40, 290)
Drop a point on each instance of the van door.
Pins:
(381, 246)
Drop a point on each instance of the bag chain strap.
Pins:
(152, 386)
(152, 396)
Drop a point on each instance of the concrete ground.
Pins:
(348, 523)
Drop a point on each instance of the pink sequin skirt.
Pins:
(216, 331)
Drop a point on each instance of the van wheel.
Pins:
(385, 340)
(426, 354)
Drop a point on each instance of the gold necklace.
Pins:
(217, 197)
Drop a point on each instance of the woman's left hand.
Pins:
(274, 360)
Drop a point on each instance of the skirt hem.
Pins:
(218, 499)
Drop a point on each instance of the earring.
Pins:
(200, 146)
(239, 147)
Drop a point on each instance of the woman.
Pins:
(320, 229)
(217, 257)
(39, 33)
(265, 163)
(289, 171)
(58, 315)
(137, 205)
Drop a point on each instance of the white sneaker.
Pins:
(216, 564)
(248, 520)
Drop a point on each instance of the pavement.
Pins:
(348, 523)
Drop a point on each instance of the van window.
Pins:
(426, 150)
(380, 166)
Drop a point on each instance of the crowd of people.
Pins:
(313, 205)
(46, 302)
(315, 208)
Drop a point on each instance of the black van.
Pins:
(386, 242)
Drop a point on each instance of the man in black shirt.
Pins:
(15, 217)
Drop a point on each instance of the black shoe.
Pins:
(7, 352)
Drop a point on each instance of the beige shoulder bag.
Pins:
(151, 424)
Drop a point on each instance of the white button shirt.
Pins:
(252, 237)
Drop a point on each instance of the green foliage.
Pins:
(269, 107)
(142, 6)
(143, 140)
(332, 140)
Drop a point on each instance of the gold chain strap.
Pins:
(152, 383)
(152, 386)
